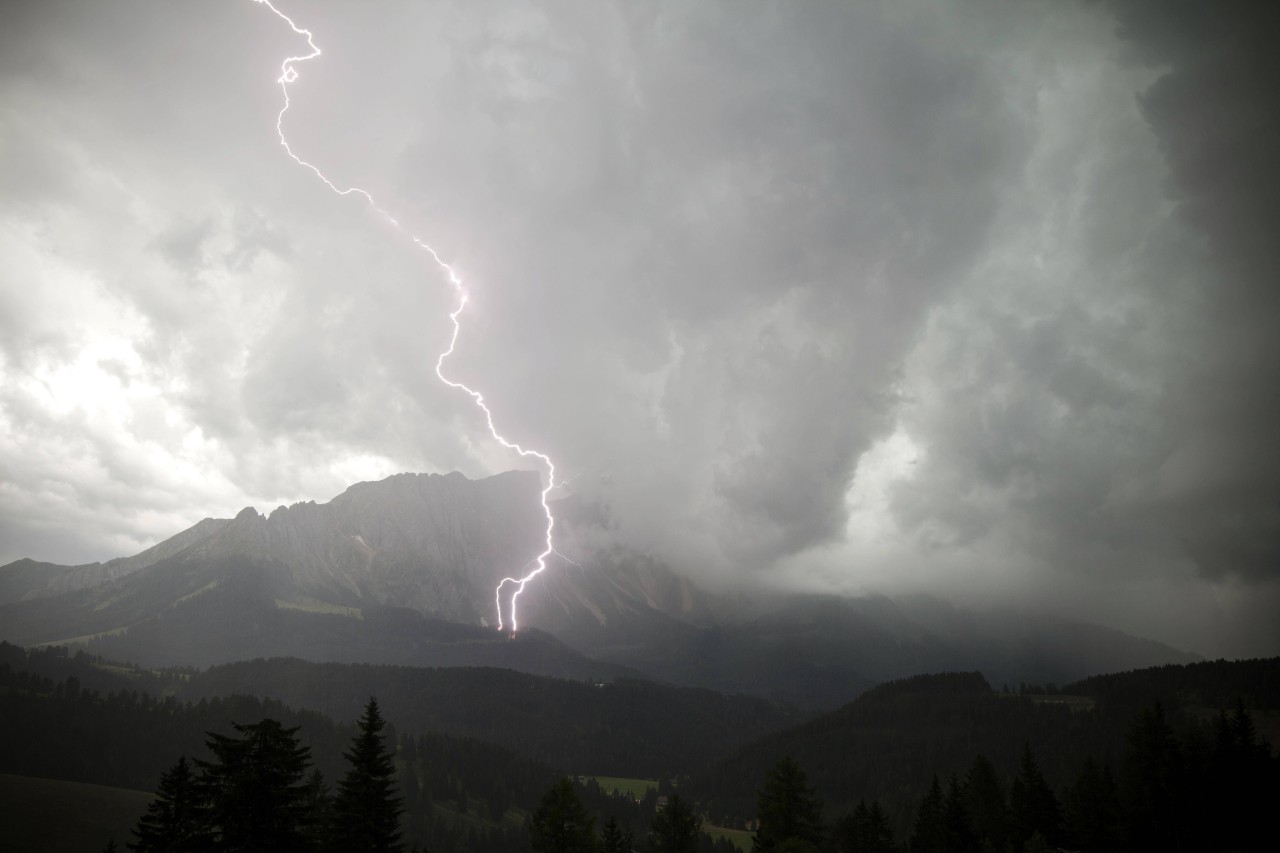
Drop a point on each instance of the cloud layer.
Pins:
(893, 296)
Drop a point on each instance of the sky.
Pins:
(974, 299)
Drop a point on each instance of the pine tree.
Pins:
(176, 819)
(1242, 782)
(255, 788)
(366, 810)
(675, 829)
(1092, 810)
(865, 830)
(788, 810)
(317, 810)
(614, 839)
(930, 833)
(955, 815)
(1032, 805)
(988, 808)
(561, 824)
(1152, 783)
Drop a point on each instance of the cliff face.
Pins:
(28, 580)
(438, 544)
(435, 543)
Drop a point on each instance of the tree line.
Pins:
(255, 794)
(1174, 791)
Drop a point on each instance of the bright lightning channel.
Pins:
(288, 74)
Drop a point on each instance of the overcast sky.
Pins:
(973, 298)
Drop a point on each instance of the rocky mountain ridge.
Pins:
(403, 571)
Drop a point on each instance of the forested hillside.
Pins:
(621, 728)
(888, 745)
(902, 760)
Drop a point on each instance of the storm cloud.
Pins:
(973, 298)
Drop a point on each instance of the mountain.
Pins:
(401, 571)
(890, 742)
(626, 727)
(27, 580)
(404, 571)
(438, 544)
(822, 651)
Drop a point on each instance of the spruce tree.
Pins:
(365, 816)
(614, 839)
(317, 810)
(255, 788)
(675, 829)
(930, 832)
(988, 808)
(1032, 805)
(1092, 810)
(1151, 784)
(959, 825)
(788, 810)
(561, 824)
(176, 819)
(865, 830)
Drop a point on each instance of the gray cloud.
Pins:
(854, 296)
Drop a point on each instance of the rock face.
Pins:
(404, 571)
(27, 580)
(438, 544)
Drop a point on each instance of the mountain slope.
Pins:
(890, 742)
(436, 543)
(823, 651)
(623, 728)
(376, 573)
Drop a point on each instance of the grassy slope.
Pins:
(55, 816)
(635, 788)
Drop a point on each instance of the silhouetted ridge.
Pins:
(930, 684)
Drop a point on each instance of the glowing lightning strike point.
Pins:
(288, 74)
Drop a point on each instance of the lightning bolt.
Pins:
(288, 74)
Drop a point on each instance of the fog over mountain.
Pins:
(889, 297)
(401, 571)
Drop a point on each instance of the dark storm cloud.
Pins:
(760, 224)
(1217, 115)
(854, 296)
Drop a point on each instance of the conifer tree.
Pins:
(561, 823)
(176, 819)
(675, 829)
(788, 810)
(1032, 805)
(985, 799)
(366, 811)
(930, 832)
(255, 788)
(614, 839)
(865, 830)
(959, 826)
(1152, 783)
(1092, 810)
(1243, 782)
(317, 810)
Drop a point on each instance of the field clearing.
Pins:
(740, 838)
(315, 605)
(635, 788)
(54, 816)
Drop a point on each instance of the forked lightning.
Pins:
(288, 74)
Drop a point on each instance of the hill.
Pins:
(55, 816)
(625, 727)
(888, 744)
